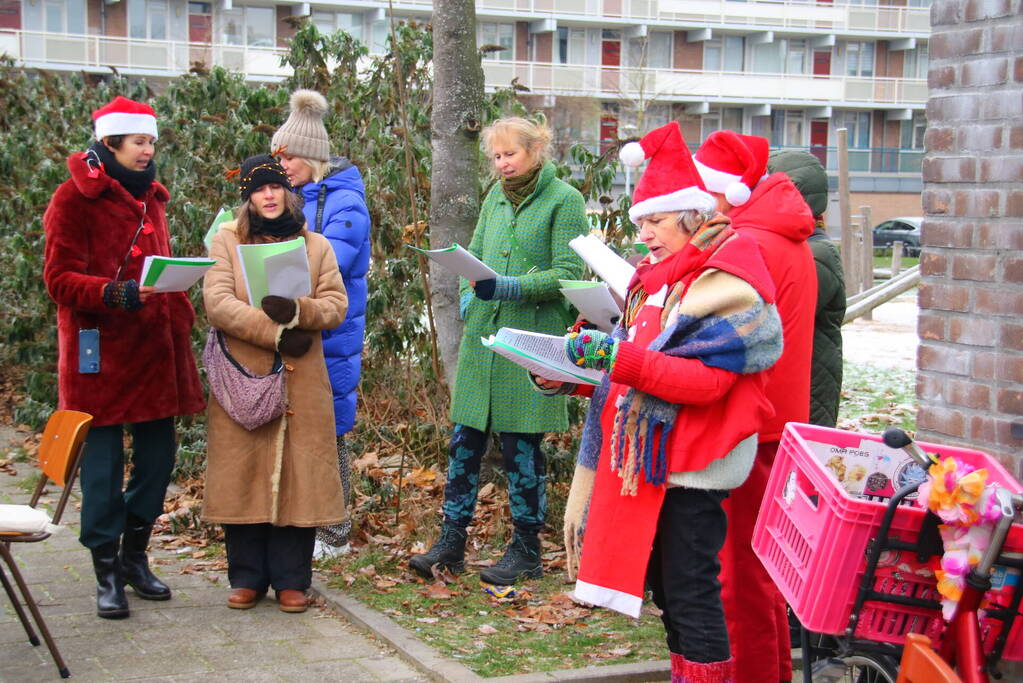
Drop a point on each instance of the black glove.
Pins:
(122, 294)
(280, 309)
(294, 343)
(485, 289)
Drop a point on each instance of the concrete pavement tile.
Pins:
(124, 668)
(349, 672)
(264, 622)
(95, 645)
(186, 636)
(390, 668)
(249, 655)
(319, 649)
(45, 671)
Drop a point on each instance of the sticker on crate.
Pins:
(871, 469)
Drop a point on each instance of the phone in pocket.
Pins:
(88, 351)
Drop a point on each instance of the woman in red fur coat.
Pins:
(123, 351)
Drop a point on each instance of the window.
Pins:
(331, 22)
(767, 58)
(653, 51)
(252, 26)
(723, 54)
(911, 135)
(147, 19)
(787, 128)
(859, 59)
(727, 118)
(571, 46)
(916, 62)
(64, 16)
(497, 34)
(795, 57)
(858, 125)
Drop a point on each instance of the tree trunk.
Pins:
(455, 125)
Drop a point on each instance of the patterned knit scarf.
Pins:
(744, 342)
(518, 189)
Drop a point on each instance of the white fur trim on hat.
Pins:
(686, 198)
(120, 123)
(737, 194)
(632, 154)
(715, 180)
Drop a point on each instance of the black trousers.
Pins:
(260, 556)
(107, 505)
(683, 573)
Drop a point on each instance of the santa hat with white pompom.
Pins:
(732, 164)
(670, 181)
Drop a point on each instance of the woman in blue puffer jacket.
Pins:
(335, 205)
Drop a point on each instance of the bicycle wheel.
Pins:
(856, 668)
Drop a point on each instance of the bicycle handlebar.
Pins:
(896, 438)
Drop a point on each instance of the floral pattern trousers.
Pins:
(524, 465)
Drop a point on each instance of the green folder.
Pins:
(253, 259)
(224, 216)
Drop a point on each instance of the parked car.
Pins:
(905, 229)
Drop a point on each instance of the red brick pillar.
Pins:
(970, 384)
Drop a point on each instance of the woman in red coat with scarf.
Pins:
(124, 353)
(672, 428)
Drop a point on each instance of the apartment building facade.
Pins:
(794, 71)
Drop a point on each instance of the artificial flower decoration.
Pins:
(961, 497)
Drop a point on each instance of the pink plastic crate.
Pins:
(812, 537)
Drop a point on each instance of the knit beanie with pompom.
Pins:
(303, 134)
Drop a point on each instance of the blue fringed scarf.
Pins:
(745, 342)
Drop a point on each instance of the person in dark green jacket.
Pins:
(809, 176)
(524, 227)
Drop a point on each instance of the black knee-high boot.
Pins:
(135, 564)
(111, 602)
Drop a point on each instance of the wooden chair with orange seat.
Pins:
(60, 454)
(921, 664)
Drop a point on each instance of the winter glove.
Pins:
(279, 309)
(576, 508)
(503, 288)
(294, 343)
(565, 388)
(122, 294)
(591, 349)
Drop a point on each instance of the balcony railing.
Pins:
(792, 14)
(586, 80)
(56, 50)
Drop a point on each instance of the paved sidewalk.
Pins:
(192, 637)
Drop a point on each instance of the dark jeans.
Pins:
(683, 573)
(107, 505)
(524, 464)
(263, 555)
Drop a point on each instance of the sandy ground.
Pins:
(889, 340)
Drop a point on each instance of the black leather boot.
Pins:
(135, 564)
(111, 602)
(522, 558)
(447, 553)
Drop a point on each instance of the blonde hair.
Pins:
(534, 136)
(291, 203)
(318, 167)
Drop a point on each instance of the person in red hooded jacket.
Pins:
(124, 352)
(771, 210)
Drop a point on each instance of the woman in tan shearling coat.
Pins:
(272, 486)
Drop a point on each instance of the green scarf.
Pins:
(517, 189)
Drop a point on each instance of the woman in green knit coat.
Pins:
(524, 227)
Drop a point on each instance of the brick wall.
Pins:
(970, 384)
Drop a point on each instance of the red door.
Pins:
(608, 131)
(10, 14)
(819, 141)
(200, 33)
(822, 63)
(610, 57)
